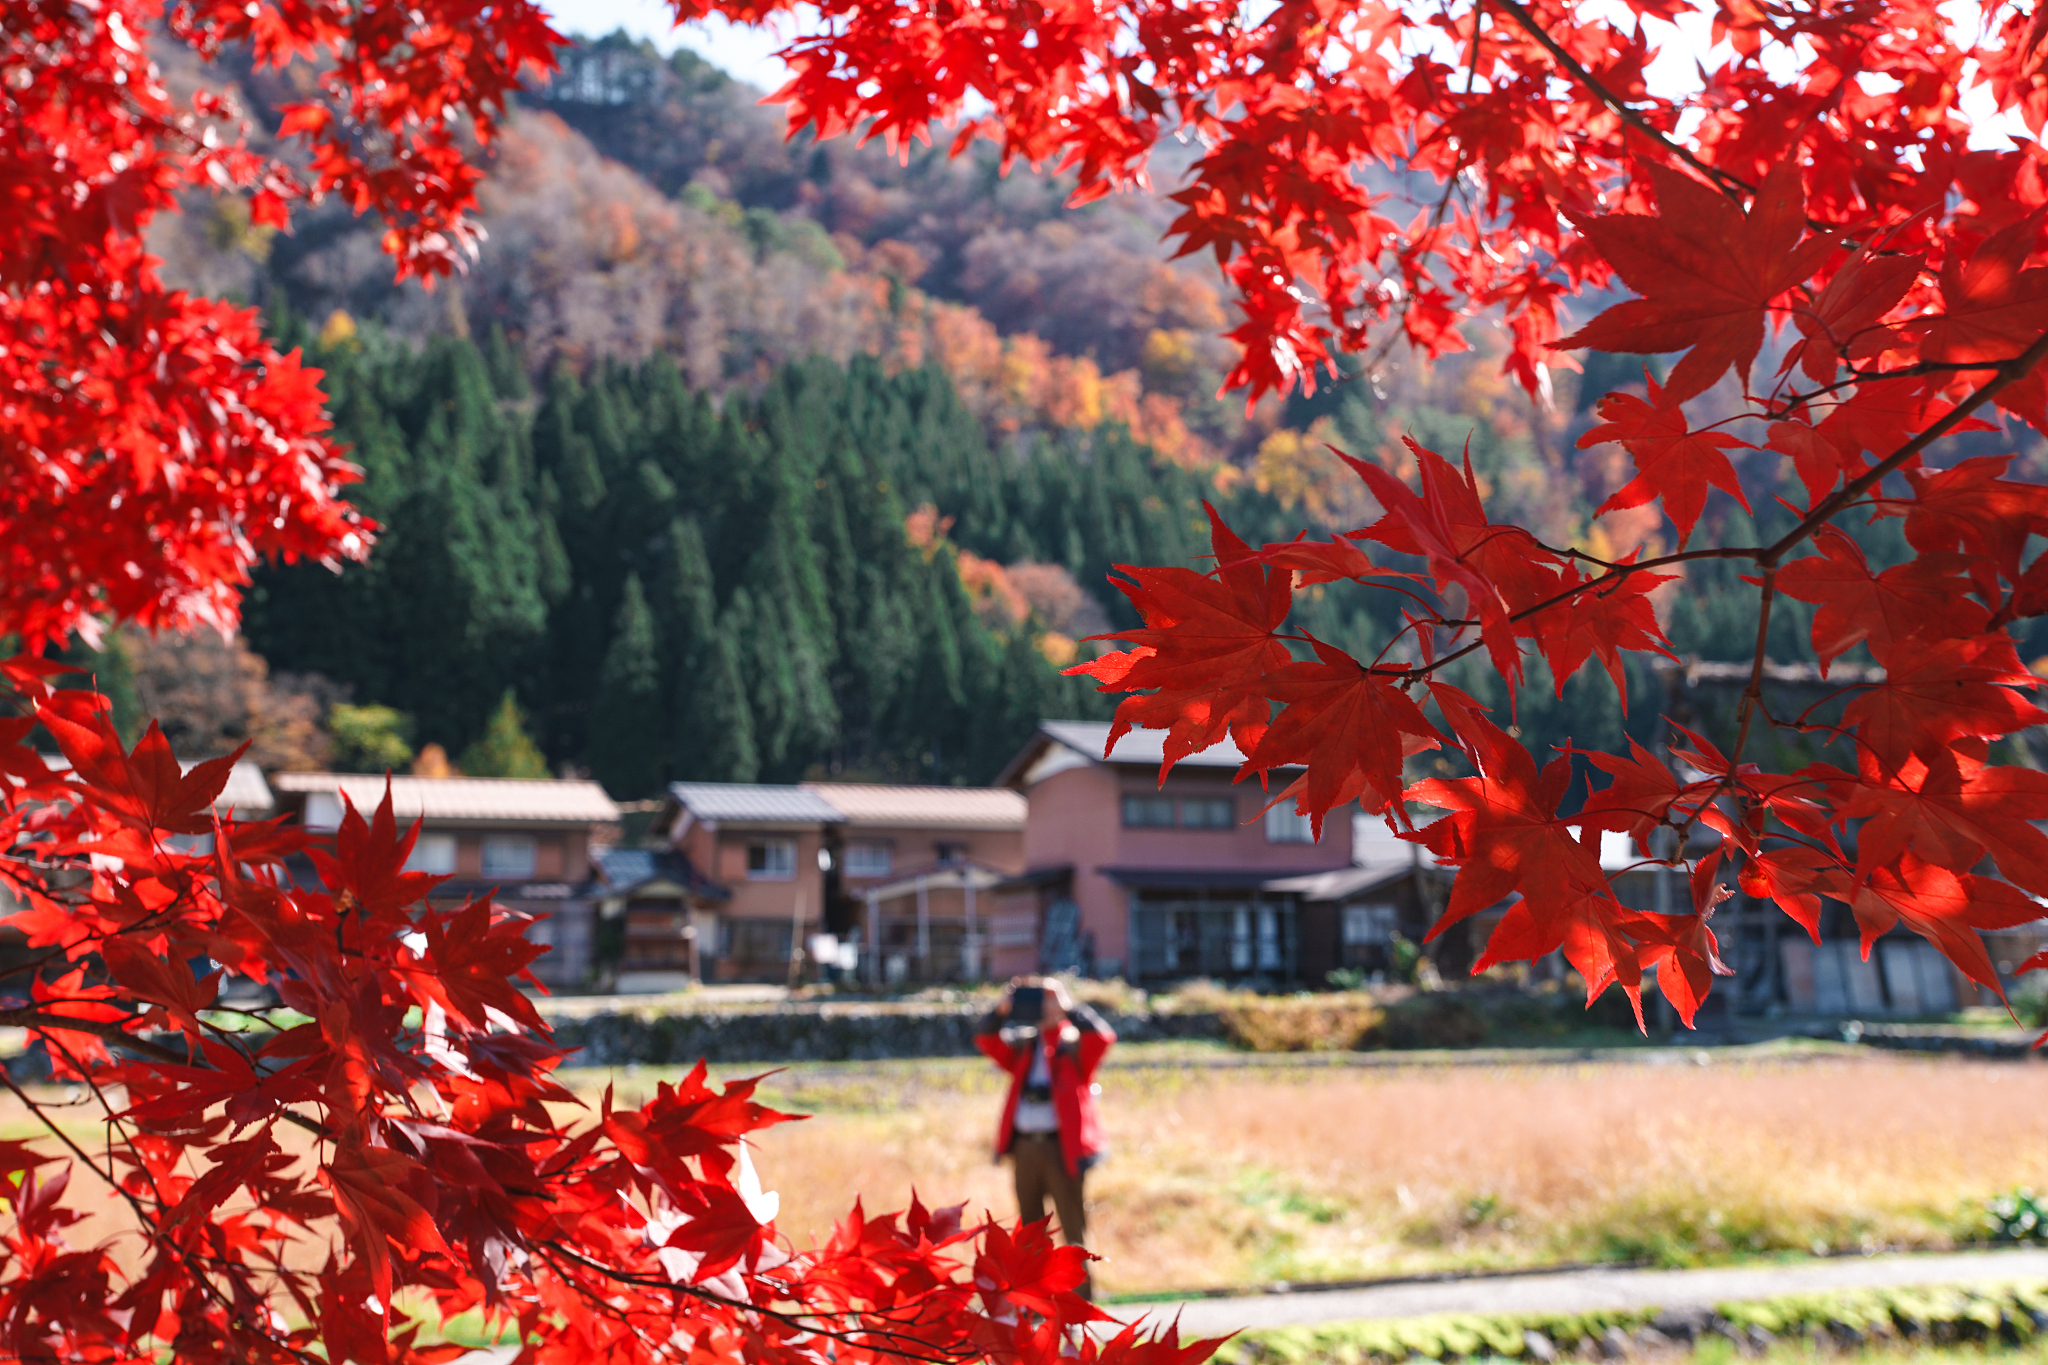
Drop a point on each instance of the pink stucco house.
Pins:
(1123, 876)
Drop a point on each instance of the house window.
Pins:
(949, 855)
(1283, 826)
(1148, 812)
(509, 855)
(433, 853)
(756, 941)
(1208, 812)
(1269, 940)
(771, 860)
(868, 860)
(1369, 924)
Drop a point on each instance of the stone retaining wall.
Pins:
(817, 1033)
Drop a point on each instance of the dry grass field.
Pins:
(1225, 1177)
(1244, 1176)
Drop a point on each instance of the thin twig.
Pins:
(2010, 372)
(1729, 185)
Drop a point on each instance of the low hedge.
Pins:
(2011, 1313)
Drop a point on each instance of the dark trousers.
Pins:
(1041, 1175)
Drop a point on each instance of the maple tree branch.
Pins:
(106, 1029)
(2010, 372)
(111, 1031)
(1729, 185)
(805, 1322)
(1752, 702)
(206, 1285)
(1616, 574)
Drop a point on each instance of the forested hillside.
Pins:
(676, 590)
(739, 458)
(840, 575)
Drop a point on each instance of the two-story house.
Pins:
(761, 846)
(1123, 876)
(910, 871)
(526, 841)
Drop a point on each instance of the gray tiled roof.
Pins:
(536, 801)
(1138, 746)
(750, 802)
(874, 803)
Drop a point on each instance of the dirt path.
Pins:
(1577, 1291)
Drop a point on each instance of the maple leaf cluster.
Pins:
(1903, 835)
(394, 1150)
(153, 444)
(1818, 185)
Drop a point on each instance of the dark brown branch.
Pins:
(1753, 694)
(107, 1029)
(804, 1322)
(111, 1031)
(1616, 573)
(2010, 372)
(1729, 185)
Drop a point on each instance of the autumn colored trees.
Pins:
(368, 1143)
(1816, 187)
(1845, 278)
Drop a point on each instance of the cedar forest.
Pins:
(339, 1182)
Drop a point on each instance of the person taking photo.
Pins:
(1050, 1128)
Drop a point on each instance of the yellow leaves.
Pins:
(338, 331)
(1297, 469)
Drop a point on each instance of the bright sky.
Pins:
(749, 54)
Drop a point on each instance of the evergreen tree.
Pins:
(734, 580)
(504, 749)
(628, 737)
(717, 733)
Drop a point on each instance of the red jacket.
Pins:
(1074, 1057)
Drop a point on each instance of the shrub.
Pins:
(1435, 1019)
(2017, 1216)
(1308, 1023)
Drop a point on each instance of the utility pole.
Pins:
(796, 941)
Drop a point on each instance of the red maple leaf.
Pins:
(1500, 569)
(1970, 508)
(1842, 319)
(1926, 597)
(1796, 877)
(1504, 836)
(1707, 272)
(1944, 907)
(1996, 307)
(1942, 691)
(1683, 948)
(1348, 727)
(1602, 621)
(1951, 812)
(1819, 462)
(1207, 645)
(1673, 462)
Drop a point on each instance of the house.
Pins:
(910, 869)
(864, 863)
(1126, 876)
(1351, 918)
(526, 842)
(657, 918)
(765, 848)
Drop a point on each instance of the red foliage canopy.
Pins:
(401, 1155)
(1820, 175)
(403, 1150)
